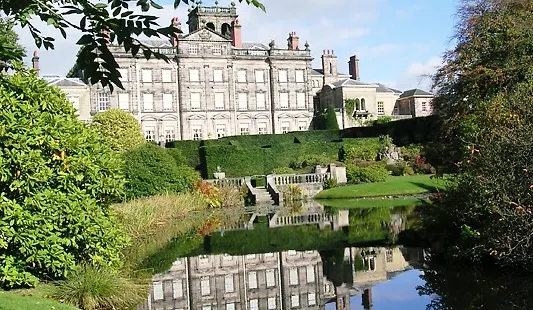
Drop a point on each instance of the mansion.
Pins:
(217, 86)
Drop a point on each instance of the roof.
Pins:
(254, 45)
(414, 93)
(350, 82)
(156, 43)
(384, 89)
(321, 72)
(62, 81)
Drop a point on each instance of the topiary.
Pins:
(57, 180)
(120, 127)
(150, 170)
(283, 170)
(331, 119)
(368, 174)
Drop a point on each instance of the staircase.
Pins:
(262, 196)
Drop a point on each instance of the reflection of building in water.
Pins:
(283, 280)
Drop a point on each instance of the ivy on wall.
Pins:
(350, 105)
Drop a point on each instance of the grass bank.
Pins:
(18, 300)
(353, 203)
(393, 186)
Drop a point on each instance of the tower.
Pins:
(353, 67)
(329, 67)
(218, 19)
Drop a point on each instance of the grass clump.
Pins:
(92, 288)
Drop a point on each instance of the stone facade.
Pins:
(215, 85)
(414, 102)
(77, 92)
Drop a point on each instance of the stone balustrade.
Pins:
(295, 220)
(286, 179)
(249, 52)
(236, 182)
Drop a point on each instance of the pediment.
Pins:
(196, 117)
(220, 116)
(244, 116)
(148, 118)
(285, 115)
(303, 115)
(205, 34)
(262, 116)
(169, 117)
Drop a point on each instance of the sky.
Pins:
(400, 43)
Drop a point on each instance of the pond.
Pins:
(315, 257)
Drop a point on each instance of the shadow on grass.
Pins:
(429, 188)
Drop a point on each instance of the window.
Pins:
(302, 125)
(311, 299)
(300, 100)
(285, 128)
(262, 128)
(243, 101)
(203, 259)
(252, 279)
(219, 101)
(228, 283)
(217, 75)
(197, 132)
(124, 101)
(254, 304)
(250, 256)
(282, 75)
(193, 49)
(195, 101)
(260, 101)
(158, 290)
(259, 76)
(271, 303)
(291, 252)
(245, 130)
(396, 111)
(270, 278)
(75, 101)
(284, 100)
(205, 287)
(166, 75)
(206, 307)
(241, 76)
(169, 134)
(177, 288)
(102, 102)
(381, 107)
(194, 75)
(148, 102)
(363, 104)
(123, 74)
(217, 50)
(424, 107)
(295, 301)
(230, 306)
(293, 276)
(167, 102)
(310, 273)
(269, 254)
(388, 254)
(221, 133)
(149, 133)
(299, 76)
(147, 75)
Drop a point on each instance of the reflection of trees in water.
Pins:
(473, 288)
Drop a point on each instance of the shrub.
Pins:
(330, 183)
(95, 288)
(151, 170)
(399, 169)
(178, 156)
(411, 151)
(312, 160)
(283, 170)
(365, 152)
(331, 119)
(57, 180)
(120, 127)
(369, 174)
(421, 166)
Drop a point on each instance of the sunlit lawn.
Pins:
(15, 300)
(393, 186)
(372, 202)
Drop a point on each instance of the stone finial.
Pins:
(232, 4)
(306, 46)
(216, 3)
(189, 9)
(272, 44)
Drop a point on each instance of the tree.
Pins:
(57, 180)
(99, 23)
(331, 119)
(151, 170)
(120, 127)
(485, 99)
(10, 50)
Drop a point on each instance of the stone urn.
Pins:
(219, 174)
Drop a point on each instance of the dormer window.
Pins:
(193, 49)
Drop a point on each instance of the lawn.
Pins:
(16, 301)
(372, 202)
(393, 186)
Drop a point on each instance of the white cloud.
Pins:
(419, 74)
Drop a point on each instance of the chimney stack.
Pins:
(293, 41)
(353, 67)
(236, 39)
(105, 35)
(175, 22)
(367, 299)
(35, 61)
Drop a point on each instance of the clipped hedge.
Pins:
(190, 150)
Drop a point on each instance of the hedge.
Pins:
(260, 154)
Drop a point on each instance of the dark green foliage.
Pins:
(366, 174)
(121, 129)
(10, 50)
(57, 180)
(178, 156)
(190, 150)
(331, 119)
(310, 161)
(399, 169)
(151, 170)
(330, 183)
(283, 170)
(363, 149)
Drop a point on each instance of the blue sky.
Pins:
(398, 42)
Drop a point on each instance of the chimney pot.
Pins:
(35, 61)
(236, 38)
